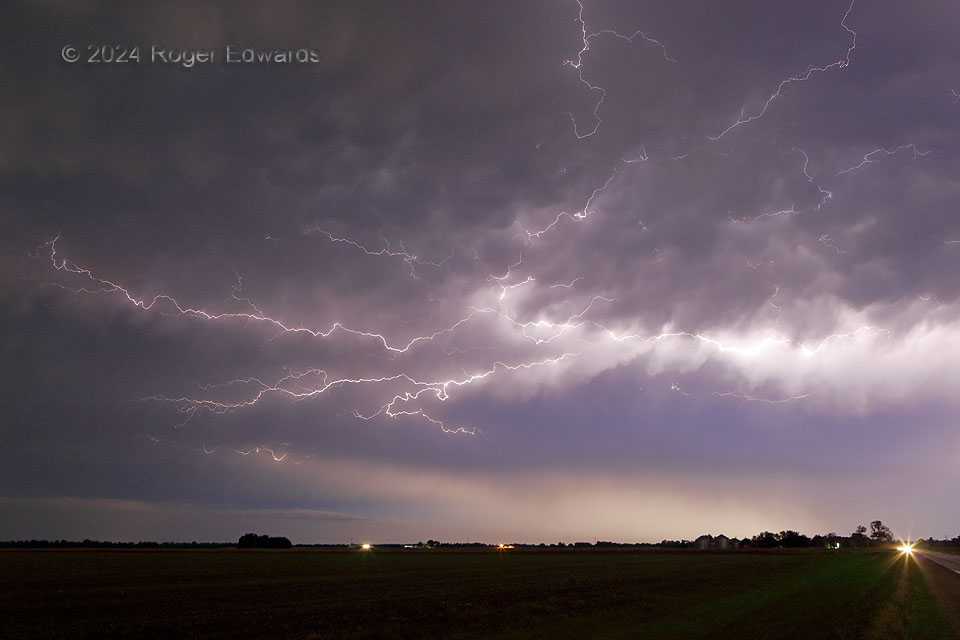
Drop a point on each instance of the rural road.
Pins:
(949, 560)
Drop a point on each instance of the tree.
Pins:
(880, 532)
(794, 539)
(765, 540)
(253, 541)
(859, 537)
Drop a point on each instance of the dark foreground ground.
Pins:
(465, 594)
(944, 584)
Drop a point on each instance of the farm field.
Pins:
(521, 593)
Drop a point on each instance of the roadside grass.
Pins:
(925, 618)
(520, 594)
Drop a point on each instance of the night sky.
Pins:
(519, 271)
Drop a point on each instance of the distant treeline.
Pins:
(253, 541)
(879, 534)
(930, 543)
(103, 544)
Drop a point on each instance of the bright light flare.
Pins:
(906, 548)
(366, 546)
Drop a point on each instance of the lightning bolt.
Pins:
(578, 335)
(842, 63)
(107, 286)
(868, 157)
(409, 258)
(741, 396)
(578, 216)
(825, 194)
(311, 383)
(577, 64)
(829, 243)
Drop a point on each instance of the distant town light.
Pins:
(366, 546)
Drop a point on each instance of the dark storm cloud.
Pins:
(422, 220)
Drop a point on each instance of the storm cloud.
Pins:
(532, 270)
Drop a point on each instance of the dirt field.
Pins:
(308, 593)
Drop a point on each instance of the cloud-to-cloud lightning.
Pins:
(343, 268)
(802, 77)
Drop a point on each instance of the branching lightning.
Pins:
(868, 158)
(314, 382)
(747, 397)
(842, 63)
(386, 251)
(587, 39)
(830, 243)
(568, 340)
(147, 304)
(576, 216)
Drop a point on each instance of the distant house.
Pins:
(721, 542)
(734, 543)
(704, 542)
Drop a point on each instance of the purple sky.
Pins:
(530, 271)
